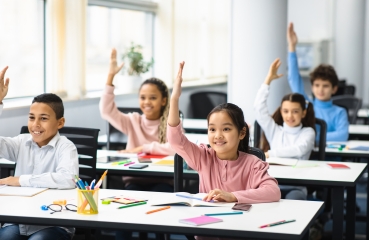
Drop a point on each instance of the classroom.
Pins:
(65, 47)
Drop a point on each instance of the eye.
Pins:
(31, 118)
(153, 98)
(44, 119)
(211, 129)
(226, 129)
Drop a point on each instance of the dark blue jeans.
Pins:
(56, 233)
(159, 187)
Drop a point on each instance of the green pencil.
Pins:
(132, 205)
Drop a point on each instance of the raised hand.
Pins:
(220, 195)
(273, 71)
(113, 67)
(3, 84)
(291, 38)
(173, 117)
(177, 86)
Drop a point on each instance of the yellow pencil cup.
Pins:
(87, 202)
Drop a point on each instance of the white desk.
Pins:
(363, 113)
(195, 125)
(348, 152)
(27, 211)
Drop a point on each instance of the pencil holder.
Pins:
(87, 202)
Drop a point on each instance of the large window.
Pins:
(21, 46)
(109, 28)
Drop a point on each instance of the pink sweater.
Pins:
(247, 177)
(140, 131)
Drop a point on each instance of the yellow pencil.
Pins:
(98, 184)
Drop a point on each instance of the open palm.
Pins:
(291, 35)
(3, 84)
(114, 68)
(177, 87)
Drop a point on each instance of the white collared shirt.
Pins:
(53, 165)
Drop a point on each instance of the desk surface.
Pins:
(359, 129)
(27, 211)
(363, 113)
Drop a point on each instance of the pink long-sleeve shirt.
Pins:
(247, 177)
(140, 131)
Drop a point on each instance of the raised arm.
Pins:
(173, 118)
(114, 68)
(294, 78)
(260, 105)
(3, 86)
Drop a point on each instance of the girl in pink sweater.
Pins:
(227, 172)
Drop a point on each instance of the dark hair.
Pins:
(307, 121)
(324, 72)
(52, 101)
(164, 110)
(236, 114)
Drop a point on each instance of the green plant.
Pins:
(136, 64)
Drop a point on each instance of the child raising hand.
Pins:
(227, 171)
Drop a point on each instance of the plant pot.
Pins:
(130, 84)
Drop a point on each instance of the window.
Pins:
(109, 28)
(22, 45)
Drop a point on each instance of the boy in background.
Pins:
(324, 83)
(43, 157)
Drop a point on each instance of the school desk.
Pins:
(28, 211)
(363, 113)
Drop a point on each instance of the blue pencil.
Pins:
(224, 213)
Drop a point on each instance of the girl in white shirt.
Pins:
(289, 132)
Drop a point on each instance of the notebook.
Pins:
(202, 220)
(360, 148)
(164, 162)
(19, 191)
(282, 161)
(338, 166)
(187, 199)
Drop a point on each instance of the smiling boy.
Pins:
(324, 83)
(43, 157)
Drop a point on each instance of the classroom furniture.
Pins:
(203, 102)
(351, 103)
(344, 89)
(320, 176)
(27, 211)
(358, 132)
(114, 138)
(364, 115)
(319, 152)
(191, 125)
(85, 140)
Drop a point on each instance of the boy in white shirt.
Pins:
(43, 157)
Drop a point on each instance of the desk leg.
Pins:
(338, 196)
(350, 212)
(178, 173)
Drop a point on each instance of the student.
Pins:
(289, 132)
(324, 83)
(227, 172)
(44, 159)
(146, 132)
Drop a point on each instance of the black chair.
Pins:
(118, 140)
(85, 140)
(351, 104)
(317, 155)
(203, 102)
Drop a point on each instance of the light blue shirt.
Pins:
(52, 166)
(335, 116)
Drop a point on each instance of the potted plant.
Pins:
(135, 66)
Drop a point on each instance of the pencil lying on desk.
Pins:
(157, 210)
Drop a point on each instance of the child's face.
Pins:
(223, 136)
(151, 101)
(323, 89)
(292, 113)
(42, 123)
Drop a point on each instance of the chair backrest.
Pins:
(203, 102)
(85, 140)
(115, 138)
(350, 103)
(322, 128)
(178, 167)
